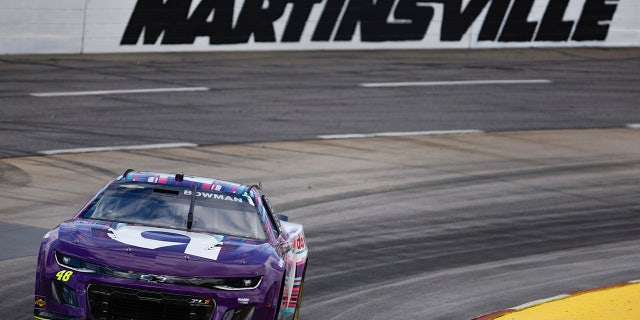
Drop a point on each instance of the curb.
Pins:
(497, 314)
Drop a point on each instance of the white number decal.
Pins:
(200, 245)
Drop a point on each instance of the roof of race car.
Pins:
(185, 181)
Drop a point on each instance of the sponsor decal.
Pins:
(131, 186)
(300, 243)
(211, 195)
(198, 301)
(40, 302)
(174, 22)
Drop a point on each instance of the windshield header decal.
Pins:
(211, 195)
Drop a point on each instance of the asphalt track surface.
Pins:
(414, 227)
(285, 96)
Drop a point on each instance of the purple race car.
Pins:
(163, 246)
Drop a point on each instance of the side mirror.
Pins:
(283, 217)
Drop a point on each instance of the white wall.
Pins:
(625, 27)
(40, 26)
(93, 26)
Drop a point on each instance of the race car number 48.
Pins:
(64, 275)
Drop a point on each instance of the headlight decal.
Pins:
(76, 264)
(240, 283)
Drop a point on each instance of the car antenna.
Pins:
(124, 175)
(191, 206)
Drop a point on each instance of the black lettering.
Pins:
(552, 27)
(255, 20)
(505, 21)
(365, 13)
(328, 20)
(456, 21)
(594, 20)
(220, 29)
(517, 28)
(372, 18)
(153, 17)
(298, 19)
(493, 20)
(420, 18)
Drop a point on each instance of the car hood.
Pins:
(163, 251)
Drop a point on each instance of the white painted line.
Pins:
(426, 133)
(451, 83)
(105, 92)
(345, 136)
(395, 134)
(633, 125)
(541, 301)
(120, 148)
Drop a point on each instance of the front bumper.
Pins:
(69, 295)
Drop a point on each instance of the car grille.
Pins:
(116, 303)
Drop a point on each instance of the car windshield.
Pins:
(168, 207)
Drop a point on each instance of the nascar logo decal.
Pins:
(195, 244)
